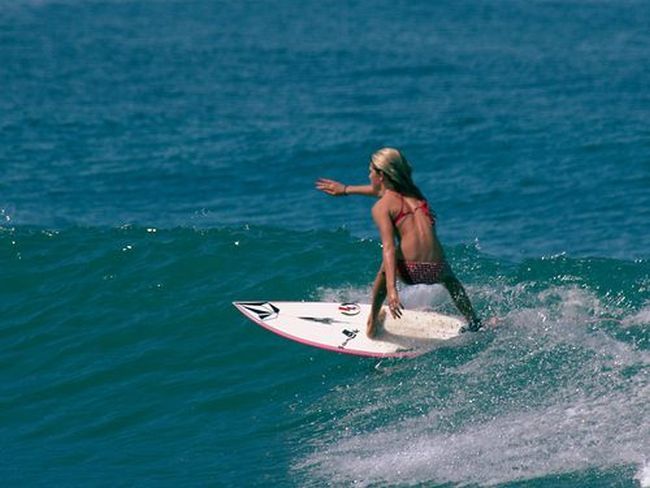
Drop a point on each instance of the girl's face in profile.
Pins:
(374, 175)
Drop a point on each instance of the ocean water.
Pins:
(157, 162)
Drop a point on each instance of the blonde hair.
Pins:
(397, 169)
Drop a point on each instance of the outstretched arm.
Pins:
(337, 189)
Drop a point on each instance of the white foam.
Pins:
(643, 476)
(424, 297)
(572, 434)
(594, 413)
(343, 294)
(565, 437)
(640, 318)
(418, 297)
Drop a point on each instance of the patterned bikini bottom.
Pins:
(420, 272)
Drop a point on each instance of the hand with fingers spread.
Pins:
(331, 187)
(338, 189)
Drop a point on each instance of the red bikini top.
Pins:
(403, 213)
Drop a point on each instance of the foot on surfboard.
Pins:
(472, 327)
(479, 325)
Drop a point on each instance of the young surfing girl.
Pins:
(407, 227)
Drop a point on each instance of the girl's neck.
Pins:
(385, 189)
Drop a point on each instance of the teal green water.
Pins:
(157, 162)
(124, 362)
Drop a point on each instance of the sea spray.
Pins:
(551, 391)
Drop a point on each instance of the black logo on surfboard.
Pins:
(350, 334)
(263, 310)
(323, 320)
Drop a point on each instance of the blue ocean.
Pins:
(157, 163)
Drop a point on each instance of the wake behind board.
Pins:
(341, 327)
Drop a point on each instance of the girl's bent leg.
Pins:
(462, 302)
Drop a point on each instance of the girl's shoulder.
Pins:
(392, 196)
(394, 200)
(389, 203)
(388, 198)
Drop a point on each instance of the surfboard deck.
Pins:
(341, 327)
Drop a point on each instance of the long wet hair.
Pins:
(397, 169)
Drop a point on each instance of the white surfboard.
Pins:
(341, 327)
